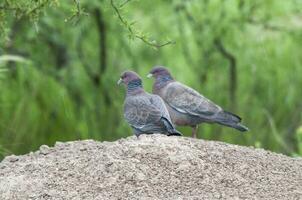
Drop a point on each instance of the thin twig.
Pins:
(134, 34)
(78, 6)
(38, 7)
(123, 4)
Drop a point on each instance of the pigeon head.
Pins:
(162, 77)
(132, 81)
(128, 76)
(159, 71)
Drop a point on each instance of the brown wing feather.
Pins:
(186, 100)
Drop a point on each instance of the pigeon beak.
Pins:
(119, 81)
(149, 75)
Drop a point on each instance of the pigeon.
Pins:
(146, 113)
(187, 107)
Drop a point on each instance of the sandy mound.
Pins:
(153, 167)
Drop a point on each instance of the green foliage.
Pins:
(299, 139)
(74, 52)
(20, 9)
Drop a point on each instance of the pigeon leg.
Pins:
(194, 131)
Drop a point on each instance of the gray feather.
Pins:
(188, 101)
(231, 120)
(145, 113)
(186, 106)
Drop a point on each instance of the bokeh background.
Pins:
(60, 60)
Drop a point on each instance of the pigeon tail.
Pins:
(231, 120)
(170, 128)
(174, 132)
(241, 127)
(225, 115)
(238, 126)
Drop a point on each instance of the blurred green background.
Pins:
(60, 60)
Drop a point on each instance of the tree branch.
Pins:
(134, 33)
(232, 73)
(80, 54)
(102, 39)
(102, 52)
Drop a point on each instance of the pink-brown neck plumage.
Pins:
(161, 81)
(135, 87)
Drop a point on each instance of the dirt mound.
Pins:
(152, 167)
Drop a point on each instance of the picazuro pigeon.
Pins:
(146, 113)
(186, 106)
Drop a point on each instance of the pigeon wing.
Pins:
(159, 103)
(188, 101)
(141, 114)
